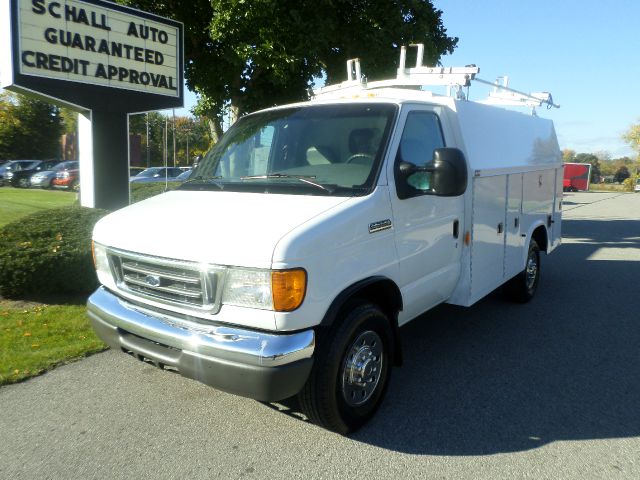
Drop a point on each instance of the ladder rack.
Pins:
(503, 95)
(422, 76)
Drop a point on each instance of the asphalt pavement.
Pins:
(547, 390)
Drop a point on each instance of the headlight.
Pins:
(8, 175)
(279, 290)
(248, 288)
(101, 262)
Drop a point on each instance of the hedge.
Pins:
(48, 252)
(142, 191)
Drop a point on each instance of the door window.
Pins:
(421, 136)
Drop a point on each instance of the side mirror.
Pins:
(444, 176)
(449, 172)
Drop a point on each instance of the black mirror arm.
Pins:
(408, 168)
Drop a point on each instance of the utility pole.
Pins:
(148, 151)
(166, 140)
(174, 136)
(188, 132)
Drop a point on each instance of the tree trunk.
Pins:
(215, 127)
(234, 113)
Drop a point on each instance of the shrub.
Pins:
(630, 183)
(142, 191)
(48, 252)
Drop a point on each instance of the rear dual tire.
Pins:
(523, 286)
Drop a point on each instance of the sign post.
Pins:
(105, 61)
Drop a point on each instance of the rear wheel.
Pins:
(523, 286)
(351, 370)
(24, 182)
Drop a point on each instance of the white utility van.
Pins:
(311, 232)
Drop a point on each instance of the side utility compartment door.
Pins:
(488, 234)
(428, 228)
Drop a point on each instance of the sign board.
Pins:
(80, 42)
(101, 47)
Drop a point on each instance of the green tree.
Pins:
(190, 132)
(155, 141)
(243, 56)
(632, 137)
(568, 155)
(621, 174)
(69, 120)
(29, 128)
(192, 138)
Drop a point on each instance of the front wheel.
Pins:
(351, 370)
(523, 286)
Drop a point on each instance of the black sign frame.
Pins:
(97, 97)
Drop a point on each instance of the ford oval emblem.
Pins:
(152, 280)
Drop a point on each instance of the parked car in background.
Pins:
(12, 166)
(637, 187)
(44, 178)
(67, 179)
(184, 176)
(156, 174)
(22, 178)
(133, 171)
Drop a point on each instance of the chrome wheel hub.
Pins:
(362, 368)
(532, 270)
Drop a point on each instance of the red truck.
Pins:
(576, 177)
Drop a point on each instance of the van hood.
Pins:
(224, 228)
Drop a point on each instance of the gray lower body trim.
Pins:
(253, 364)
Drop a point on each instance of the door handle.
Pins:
(456, 228)
(500, 228)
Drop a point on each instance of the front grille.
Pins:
(166, 281)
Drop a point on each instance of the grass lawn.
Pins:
(606, 187)
(18, 202)
(36, 338)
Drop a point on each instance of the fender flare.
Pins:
(394, 300)
(529, 235)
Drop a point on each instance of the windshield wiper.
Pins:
(302, 178)
(275, 175)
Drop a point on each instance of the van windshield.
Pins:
(311, 150)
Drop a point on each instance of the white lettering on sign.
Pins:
(82, 42)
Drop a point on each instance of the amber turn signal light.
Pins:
(288, 288)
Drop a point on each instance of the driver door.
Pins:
(427, 227)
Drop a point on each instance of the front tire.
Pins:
(351, 370)
(523, 286)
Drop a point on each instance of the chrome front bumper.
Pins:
(254, 364)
